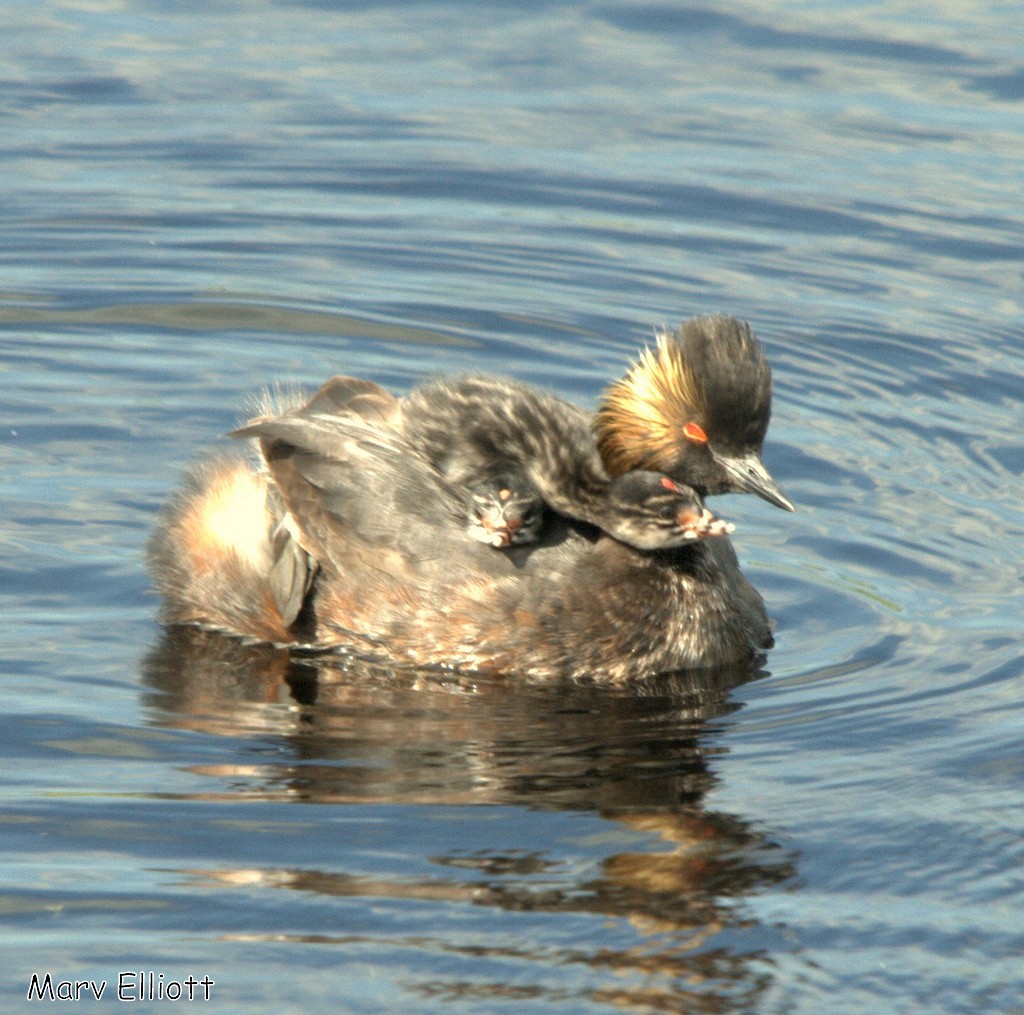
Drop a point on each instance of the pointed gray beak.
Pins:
(750, 476)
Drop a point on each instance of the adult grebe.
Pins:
(352, 537)
(695, 407)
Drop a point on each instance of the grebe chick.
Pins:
(504, 510)
(652, 512)
(649, 511)
(477, 426)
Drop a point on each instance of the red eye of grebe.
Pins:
(692, 432)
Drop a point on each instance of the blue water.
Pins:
(201, 200)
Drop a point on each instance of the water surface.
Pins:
(198, 202)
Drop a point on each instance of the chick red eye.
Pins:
(667, 512)
(693, 432)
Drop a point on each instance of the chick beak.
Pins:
(750, 476)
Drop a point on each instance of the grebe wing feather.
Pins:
(361, 497)
(291, 574)
(351, 396)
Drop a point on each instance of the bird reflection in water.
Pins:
(350, 733)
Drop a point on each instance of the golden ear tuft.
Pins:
(638, 422)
